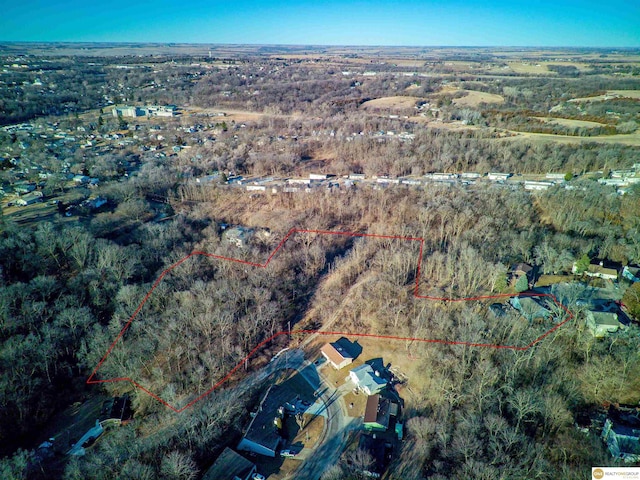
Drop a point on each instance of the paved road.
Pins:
(338, 424)
(336, 434)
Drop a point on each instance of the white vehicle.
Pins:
(257, 476)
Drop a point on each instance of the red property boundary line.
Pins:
(92, 380)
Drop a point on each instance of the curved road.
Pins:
(337, 429)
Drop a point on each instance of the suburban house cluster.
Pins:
(602, 316)
(382, 429)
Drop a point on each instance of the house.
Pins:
(238, 236)
(598, 269)
(366, 380)
(88, 439)
(530, 308)
(522, 270)
(532, 185)
(631, 273)
(556, 177)
(378, 412)
(601, 324)
(319, 176)
(230, 466)
(22, 188)
(29, 199)
(340, 353)
(81, 179)
(263, 435)
(497, 176)
(95, 203)
(621, 433)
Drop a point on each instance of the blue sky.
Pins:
(330, 22)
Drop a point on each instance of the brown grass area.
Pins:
(238, 116)
(526, 67)
(474, 98)
(567, 122)
(626, 93)
(407, 62)
(359, 402)
(579, 65)
(454, 126)
(311, 432)
(448, 89)
(546, 280)
(628, 139)
(635, 94)
(391, 103)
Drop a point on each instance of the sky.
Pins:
(572, 23)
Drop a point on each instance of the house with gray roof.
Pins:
(367, 380)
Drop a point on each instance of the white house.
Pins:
(497, 176)
(29, 199)
(602, 324)
(531, 185)
(597, 270)
(365, 379)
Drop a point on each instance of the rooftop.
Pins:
(229, 466)
(340, 349)
(379, 410)
(367, 377)
(604, 318)
(262, 429)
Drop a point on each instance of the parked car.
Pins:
(287, 453)
(257, 476)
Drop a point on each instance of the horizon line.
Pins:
(313, 45)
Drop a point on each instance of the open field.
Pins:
(528, 68)
(474, 98)
(238, 116)
(391, 103)
(626, 93)
(581, 66)
(568, 122)
(635, 94)
(632, 139)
